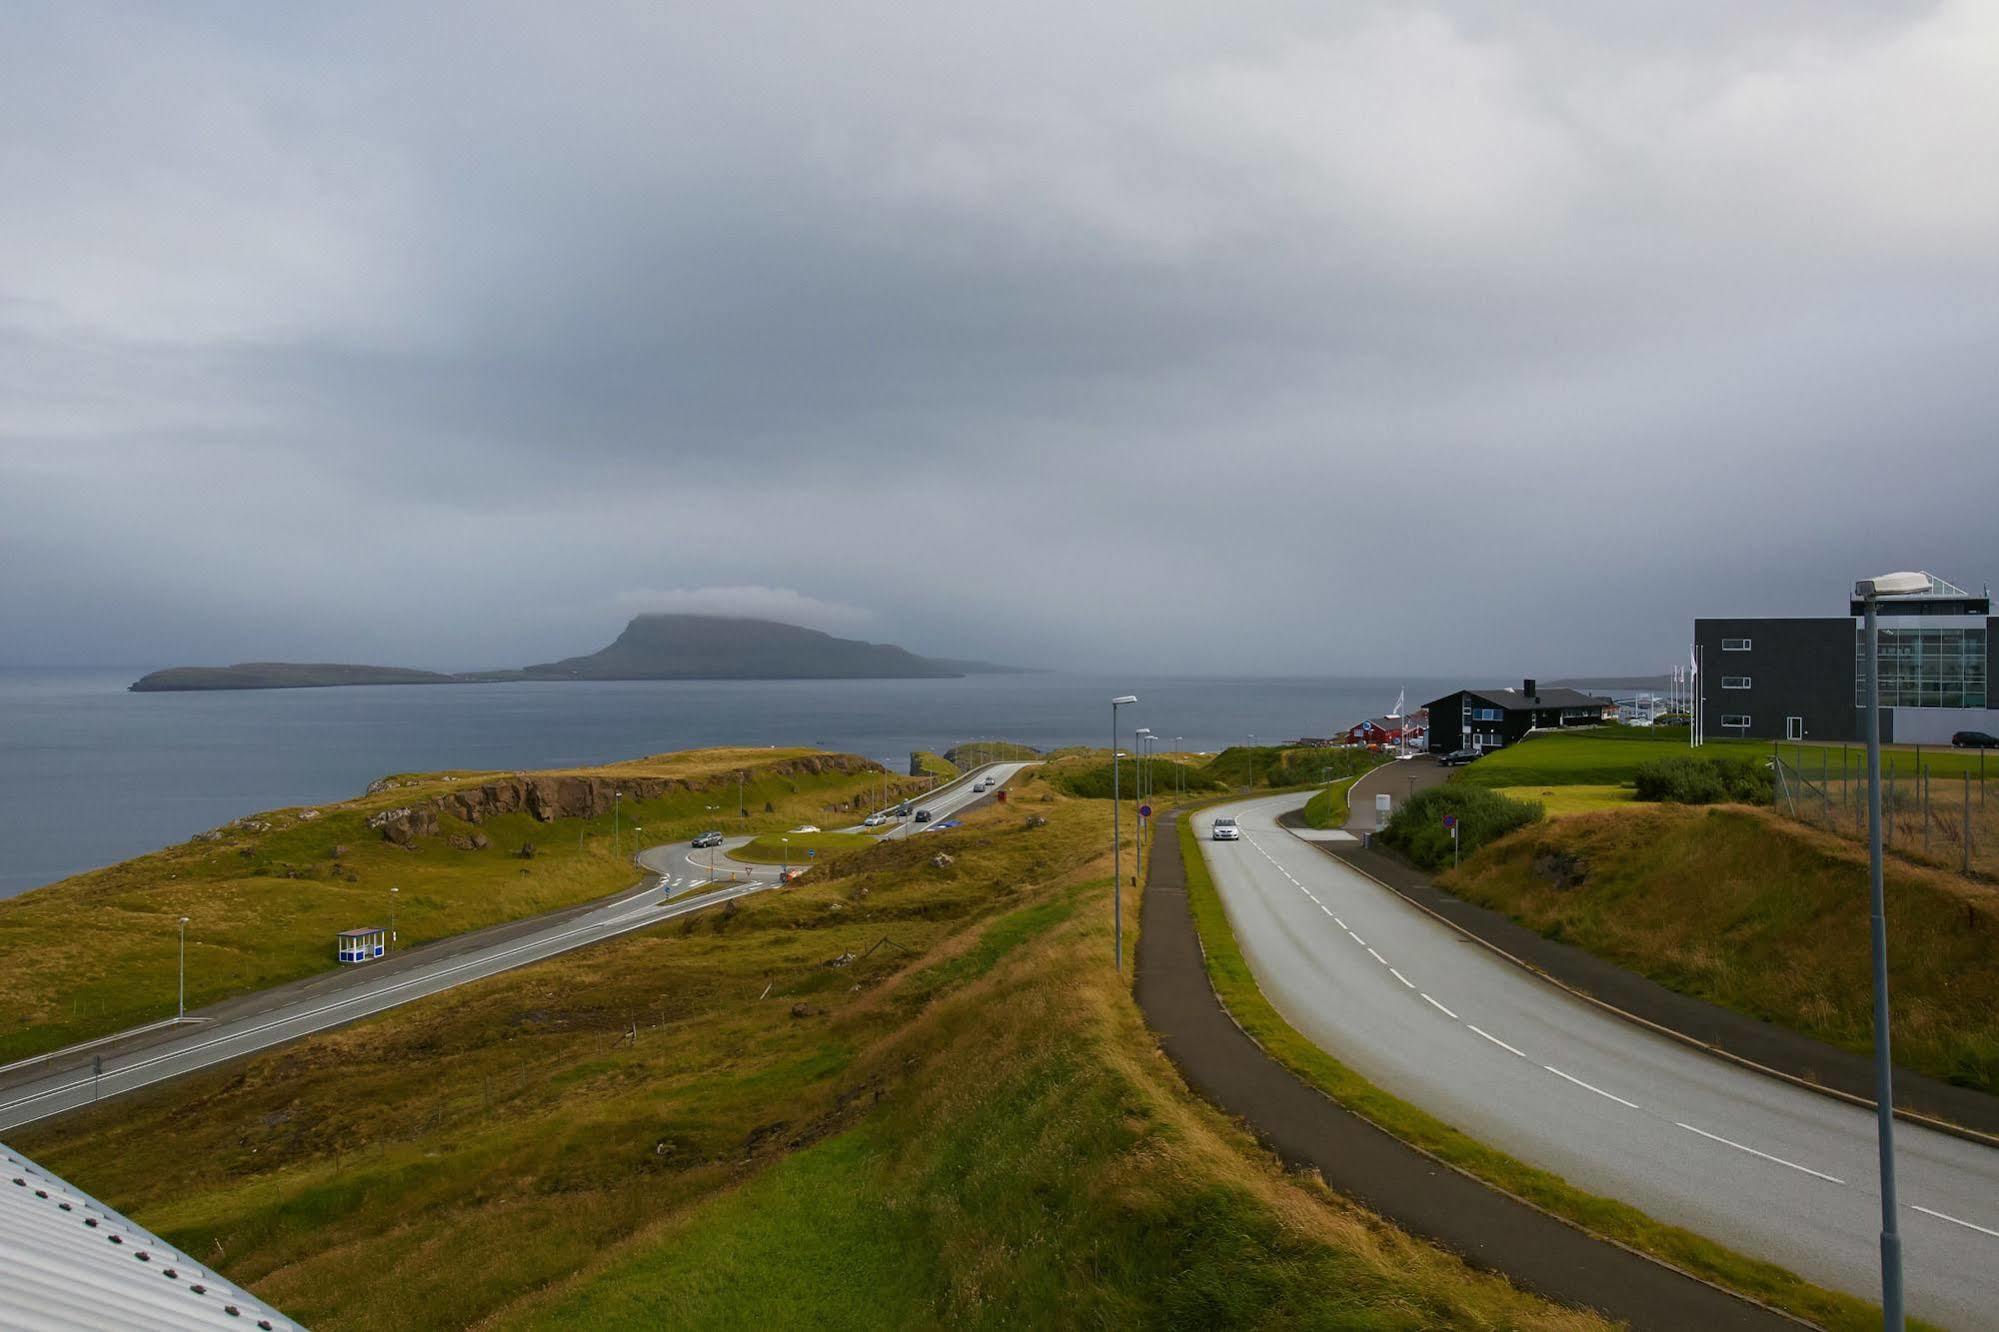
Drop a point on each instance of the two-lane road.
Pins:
(1763, 1166)
(62, 1081)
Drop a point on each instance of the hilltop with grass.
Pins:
(264, 895)
(909, 1091)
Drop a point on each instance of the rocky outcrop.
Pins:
(405, 825)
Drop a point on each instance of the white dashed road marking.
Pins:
(1586, 1087)
(1765, 1155)
(1441, 1009)
(1954, 1221)
(1496, 1041)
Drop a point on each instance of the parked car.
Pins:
(1975, 740)
(1459, 757)
(874, 820)
(1225, 830)
(923, 816)
(708, 839)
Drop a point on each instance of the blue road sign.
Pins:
(1450, 820)
(1145, 811)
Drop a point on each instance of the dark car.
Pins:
(708, 839)
(1975, 740)
(1458, 757)
(923, 816)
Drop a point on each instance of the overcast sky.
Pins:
(1254, 338)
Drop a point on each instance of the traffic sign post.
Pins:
(1451, 824)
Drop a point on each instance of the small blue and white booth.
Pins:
(363, 945)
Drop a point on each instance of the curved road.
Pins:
(1767, 1168)
(50, 1084)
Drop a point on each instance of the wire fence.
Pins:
(1942, 819)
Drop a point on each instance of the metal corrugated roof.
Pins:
(68, 1263)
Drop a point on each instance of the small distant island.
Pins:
(652, 647)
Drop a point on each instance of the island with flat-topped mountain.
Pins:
(652, 647)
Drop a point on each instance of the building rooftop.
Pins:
(1546, 697)
(356, 934)
(69, 1262)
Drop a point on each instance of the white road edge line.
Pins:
(1441, 1009)
(1399, 976)
(1954, 1221)
(1833, 1179)
(1586, 1087)
(1503, 1045)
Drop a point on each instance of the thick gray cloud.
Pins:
(1388, 338)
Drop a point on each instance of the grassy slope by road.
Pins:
(96, 953)
(1746, 909)
(1556, 801)
(1230, 974)
(1328, 808)
(967, 1125)
(778, 848)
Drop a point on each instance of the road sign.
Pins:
(1450, 821)
(1145, 811)
(811, 853)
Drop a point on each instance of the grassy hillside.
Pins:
(975, 752)
(1747, 909)
(898, 1096)
(935, 765)
(1088, 772)
(97, 952)
(779, 848)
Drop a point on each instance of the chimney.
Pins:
(1527, 688)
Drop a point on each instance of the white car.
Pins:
(874, 820)
(806, 828)
(1224, 830)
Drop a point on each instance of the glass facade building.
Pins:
(1923, 667)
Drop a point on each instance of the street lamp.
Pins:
(786, 853)
(1117, 864)
(1869, 591)
(183, 970)
(1251, 751)
(617, 843)
(1144, 737)
(392, 914)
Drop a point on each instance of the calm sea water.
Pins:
(91, 774)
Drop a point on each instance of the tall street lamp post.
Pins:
(1117, 862)
(393, 936)
(1870, 591)
(182, 1013)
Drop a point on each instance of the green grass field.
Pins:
(1559, 800)
(1610, 755)
(97, 953)
(897, 1095)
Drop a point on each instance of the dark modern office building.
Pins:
(1491, 718)
(1802, 678)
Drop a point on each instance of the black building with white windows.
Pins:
(1493, 718)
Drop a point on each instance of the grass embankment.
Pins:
(1328, 808)
(968, 1124)
(934, 765)
(973, 753)
(1088, 772)
(1230, 974)
(1481, 815)
(1610, 755)
(799, 848)
(1559, 801)
(96, 953)
(1755, 912)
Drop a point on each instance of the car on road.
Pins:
(874, 820)
(806, 828)
(1225, 830)
(787, 875)
(707, 839)
(1457, 758)
(923, 816)
(1975, 740)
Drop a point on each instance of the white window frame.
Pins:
(1737, 682)
(1735, 721)
(1736, 644)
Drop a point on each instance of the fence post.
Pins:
(1964, 829)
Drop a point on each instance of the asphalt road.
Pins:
(956, 798)
(62, 1081)
(1769, 1169)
